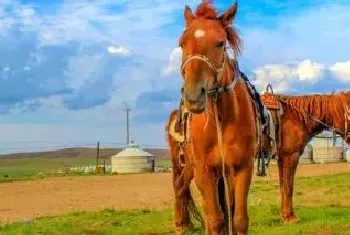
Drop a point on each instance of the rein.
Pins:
(213, 94)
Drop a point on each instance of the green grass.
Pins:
(323, 203)
(38, 167)
(263, 220)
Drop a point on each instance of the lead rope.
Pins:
(220, 142)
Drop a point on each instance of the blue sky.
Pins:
(67, 66)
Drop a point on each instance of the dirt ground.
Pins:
(53, 196)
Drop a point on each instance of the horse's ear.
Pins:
(188, 15)
(228, 17)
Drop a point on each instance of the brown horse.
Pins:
(303, 118)
(218, 123)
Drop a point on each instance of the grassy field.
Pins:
(30, 168)
(323, 203)
(38, 165)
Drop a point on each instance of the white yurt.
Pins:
(132, 159)
(347, 155)
(306, 157)
(325, 151)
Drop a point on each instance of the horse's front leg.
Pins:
(206, 182)
(287, 165)
(241, 184)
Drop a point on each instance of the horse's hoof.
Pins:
(183, 229)
(290, 220)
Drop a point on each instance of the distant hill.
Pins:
(81, 153)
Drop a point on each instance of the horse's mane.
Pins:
(206, 10)
(325, 107)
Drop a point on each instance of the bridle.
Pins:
(213, 92)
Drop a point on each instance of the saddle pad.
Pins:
(272, 127)
(178, 136)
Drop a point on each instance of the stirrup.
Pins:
(261, 167)
(181, 156)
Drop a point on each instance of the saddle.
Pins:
(275, 111)
(270, 100)
(272, 130)
(180, 126)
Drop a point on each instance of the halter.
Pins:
(213, 92)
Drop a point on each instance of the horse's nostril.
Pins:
(203, 90)
(182, 90)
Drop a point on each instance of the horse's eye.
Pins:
(219, 44)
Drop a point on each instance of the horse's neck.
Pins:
(318, 114)
(228, 99)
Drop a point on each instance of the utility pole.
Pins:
(98, 154)
(127, 110)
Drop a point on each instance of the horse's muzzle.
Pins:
(195, 102)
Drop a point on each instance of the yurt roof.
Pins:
(133, 150)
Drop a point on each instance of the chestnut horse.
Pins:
(303, 118)
(219, 122)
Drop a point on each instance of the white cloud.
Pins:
(173, 66)
(119, 50)
(102, 27)
(282, 76)
(341, 70)
(310, 71)
(277, 75)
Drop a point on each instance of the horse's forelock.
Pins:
(206, 10)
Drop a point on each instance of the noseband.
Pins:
(206, 60)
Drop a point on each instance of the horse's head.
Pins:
(203, 44)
